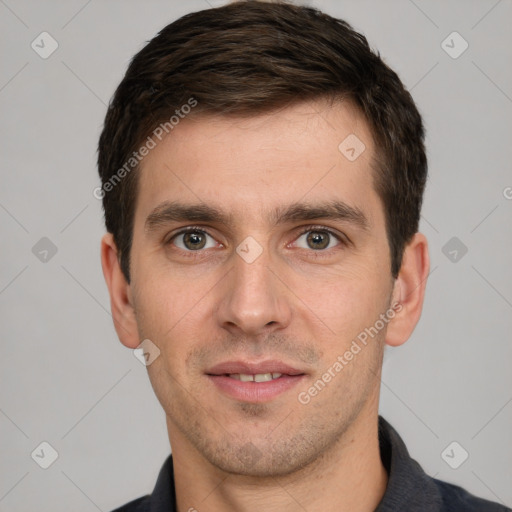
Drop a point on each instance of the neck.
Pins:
(349, 476)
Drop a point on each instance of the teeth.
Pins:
(262, 377)
(259, 377)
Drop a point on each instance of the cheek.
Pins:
(345, 302)
(174, 312)
(165, 297)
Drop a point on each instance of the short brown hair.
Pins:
(252, 57)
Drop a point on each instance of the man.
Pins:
(262, 177)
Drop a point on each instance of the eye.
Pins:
(317, 239)
(193, 240)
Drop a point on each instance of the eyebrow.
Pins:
(332, 210)
(174, 211)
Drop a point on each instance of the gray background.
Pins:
(67, 380)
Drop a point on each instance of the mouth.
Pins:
(258, 377)
(254, 382)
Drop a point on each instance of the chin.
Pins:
(263, 459)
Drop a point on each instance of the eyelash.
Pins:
(322, 229)
(306, 229)
(190, 229)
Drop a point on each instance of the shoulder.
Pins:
(455, 498)
(163, 496)
(138, 505)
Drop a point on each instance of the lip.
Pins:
(272, 366)
(254, 392)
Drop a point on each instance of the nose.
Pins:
(253, 299)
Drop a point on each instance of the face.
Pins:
(259, 256)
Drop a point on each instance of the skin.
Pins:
(295, 302)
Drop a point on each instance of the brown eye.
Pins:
(193, 240)
(318, 240)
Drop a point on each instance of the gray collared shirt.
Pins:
(409, 488)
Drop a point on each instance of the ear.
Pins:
(121, 302)
(409, 291)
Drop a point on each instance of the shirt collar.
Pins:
(409, 487)
(163, 497)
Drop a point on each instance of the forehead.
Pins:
(304, 153)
